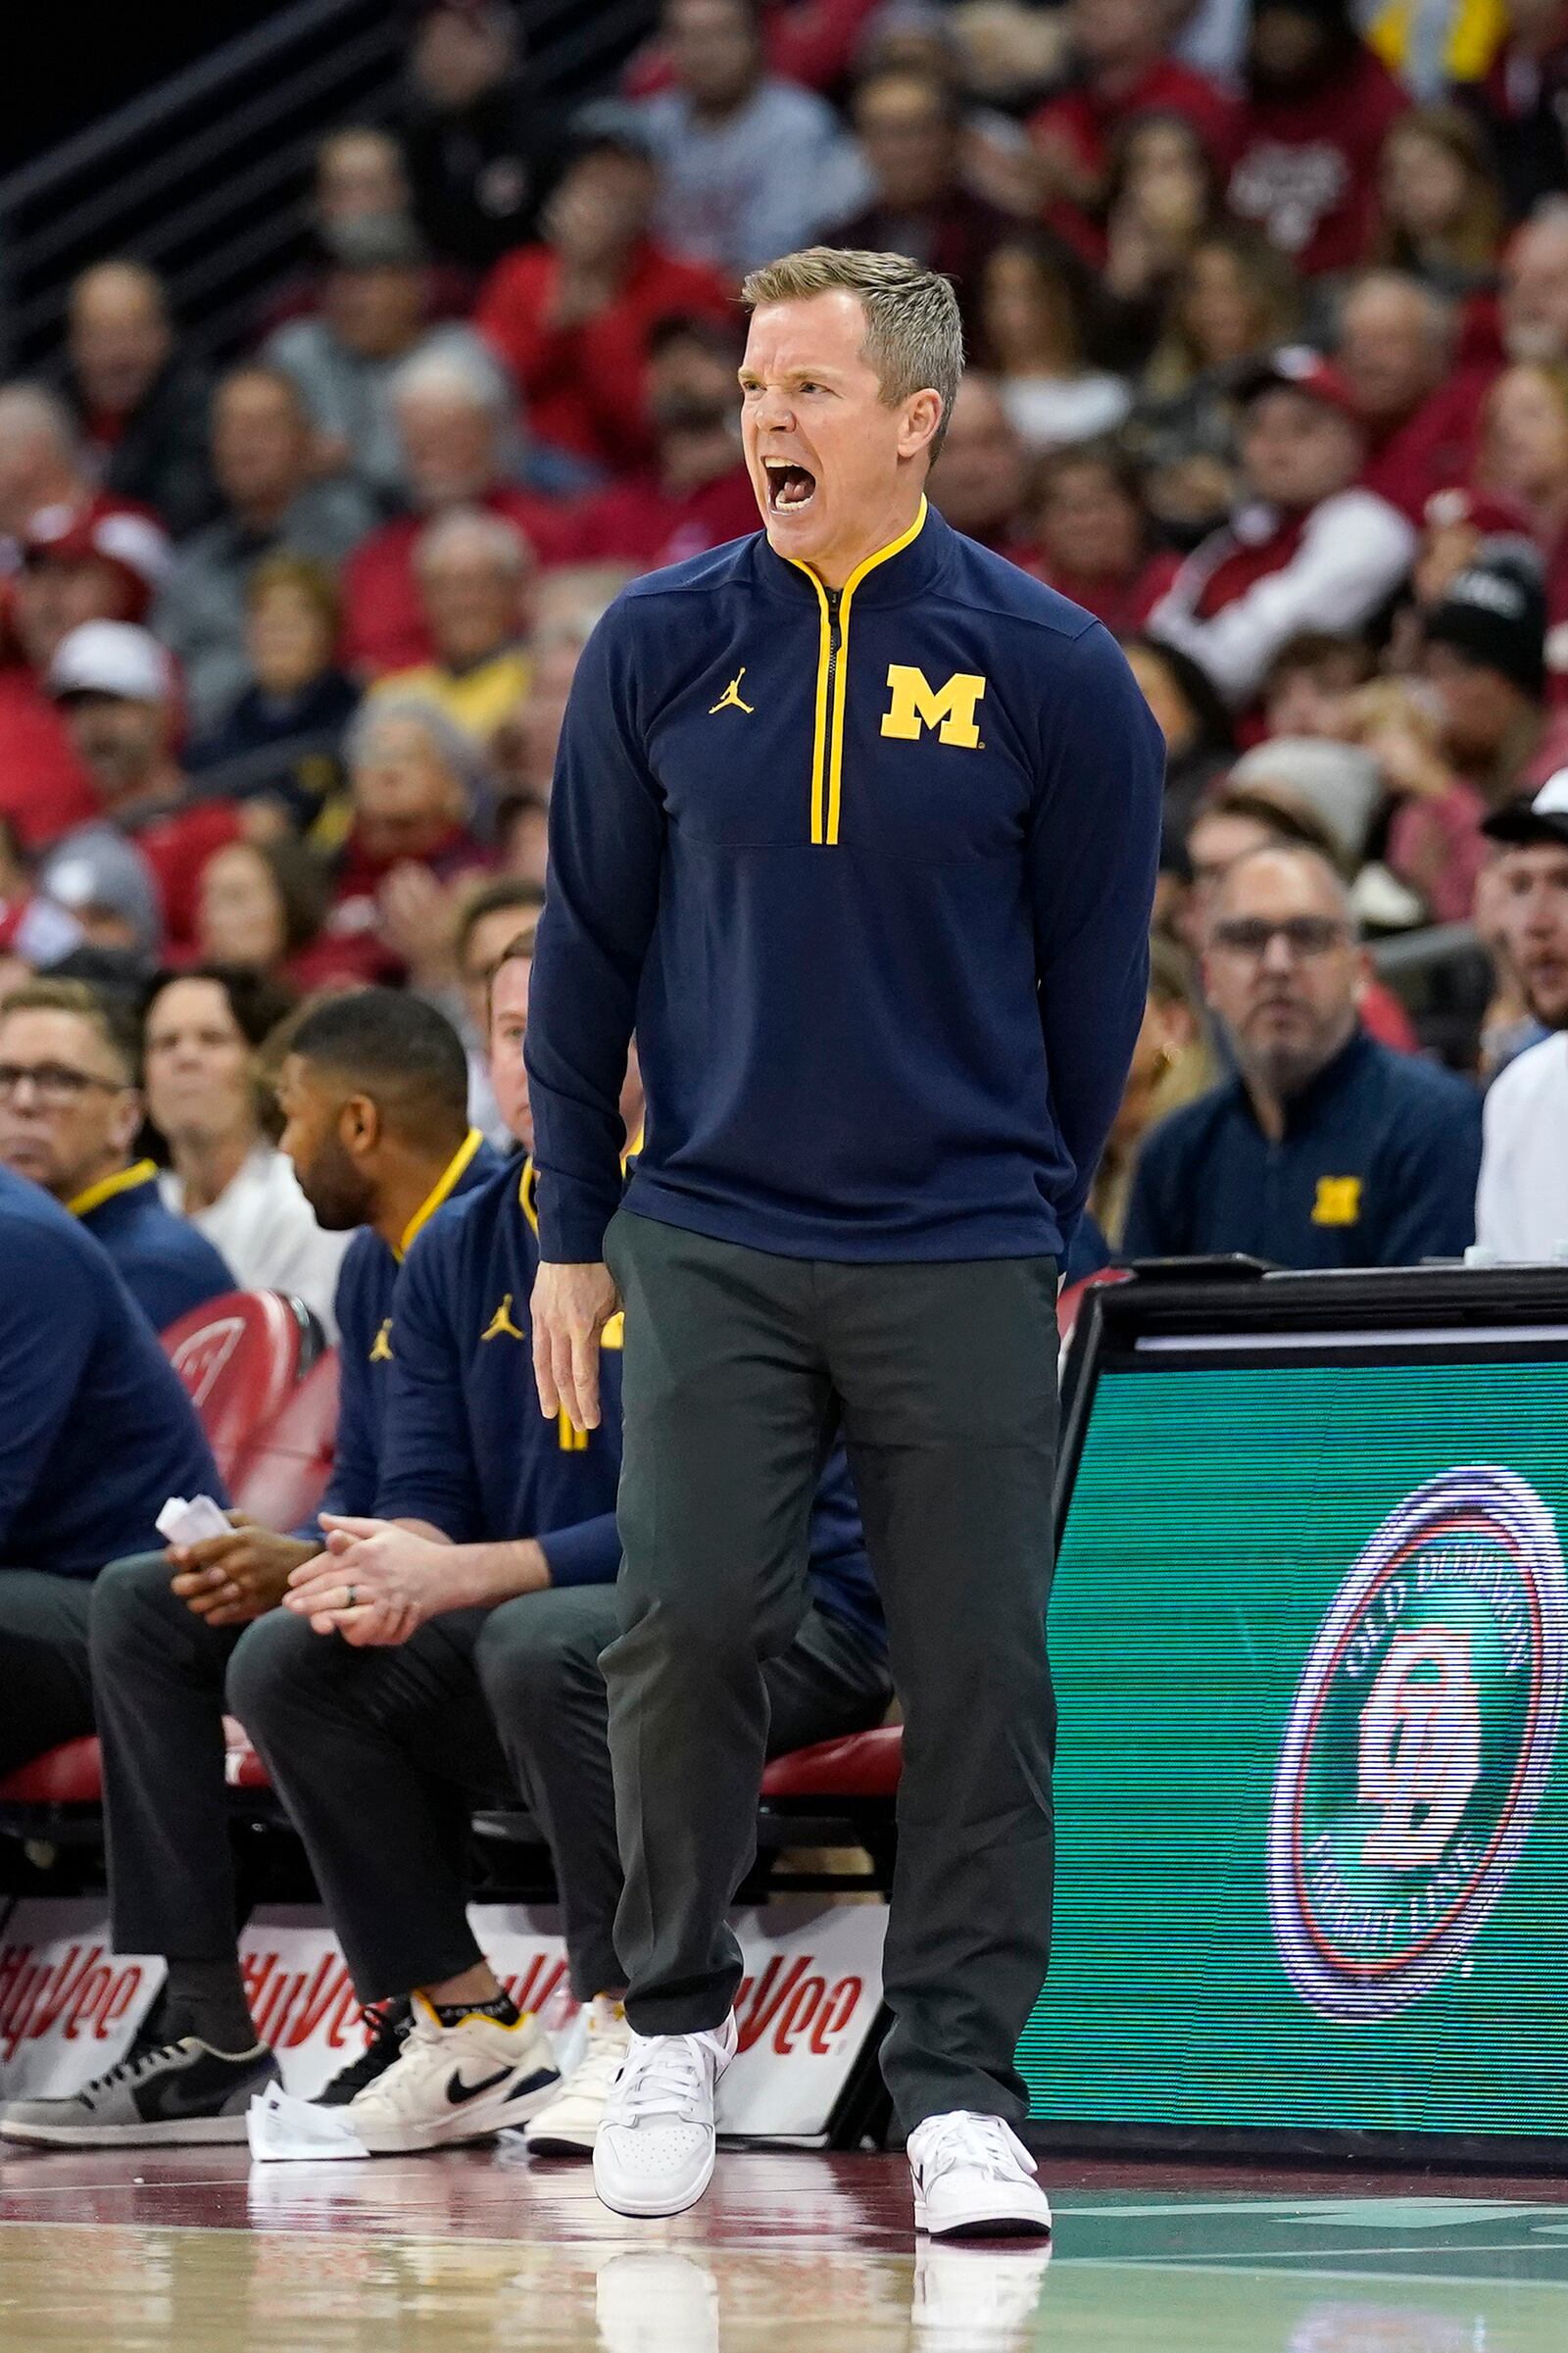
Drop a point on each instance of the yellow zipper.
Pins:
(832, 686)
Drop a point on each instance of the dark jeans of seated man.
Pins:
(44, 1675)
(373, 1750)
(160, 1675)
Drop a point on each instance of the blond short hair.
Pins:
(111, 1021)
(913, 334)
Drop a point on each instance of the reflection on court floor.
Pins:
(192, 2252)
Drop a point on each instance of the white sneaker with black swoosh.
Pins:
(975, 2179)
(455, 2083)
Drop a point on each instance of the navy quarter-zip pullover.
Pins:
(1377, 1167)
(363, 1306)
(869, 873)
(96, 1430)
(465, 1445)
(167, 1265)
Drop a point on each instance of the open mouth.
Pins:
(790, 487)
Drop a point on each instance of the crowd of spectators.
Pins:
(1267, 313)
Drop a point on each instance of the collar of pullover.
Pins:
(1322, 1089)
(893, 574)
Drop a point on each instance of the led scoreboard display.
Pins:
(1310, 1640)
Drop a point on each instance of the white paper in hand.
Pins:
(282, 2129)
(192, 1523)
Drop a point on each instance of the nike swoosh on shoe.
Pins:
(173, 2103)
(459, 2092)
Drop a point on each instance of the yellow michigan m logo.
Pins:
(1338, 1202)
(949, 709)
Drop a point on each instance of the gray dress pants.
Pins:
(943, 1376)
(45, 1686)
(158, 1681)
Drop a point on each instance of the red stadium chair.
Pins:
(71, 1775)
(836, 1794)
(1072, 1298)
(65, 1776)
(240, 1356)
(268, 1404)
(864, 1764)
(242, 1767)
(284, 1475)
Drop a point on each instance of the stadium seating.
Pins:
(240, 1356)
(839, 1779)
(865, 1765)
(253, 1364)
(284, 1474)
(71, 1775)
(1071, 1303)
(67, 1776)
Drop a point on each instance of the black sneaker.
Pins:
(387, 2023)
(183, 2091)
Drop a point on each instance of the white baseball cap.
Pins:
(112, 658)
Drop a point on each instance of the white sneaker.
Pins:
(975, 2179)
(569, 2125)
(654, 2150)
(459, 2083)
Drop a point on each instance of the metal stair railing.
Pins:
(207, 176)
(153, 178)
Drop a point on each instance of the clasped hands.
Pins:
(396, 1577)
(376, 1583)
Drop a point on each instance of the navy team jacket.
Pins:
(466, 1448)
(362, 1306)
(869, 873)
(164, 1263)
(1377, 1167)
(96, 1430)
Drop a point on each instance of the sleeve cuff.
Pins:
(448, 1513)
(588, 1554)
(572, 1218)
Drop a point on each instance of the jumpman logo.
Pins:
(730, 699)
(501, 1325)
(382, 1345)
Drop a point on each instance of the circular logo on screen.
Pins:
(1419, 1744)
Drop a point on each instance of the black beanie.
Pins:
(1495, 615)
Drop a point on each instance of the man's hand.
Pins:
(377, 1582)
(228, 1580)
(571, 1305)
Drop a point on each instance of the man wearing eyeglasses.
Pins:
(1325, 1149)
(70, 1109)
